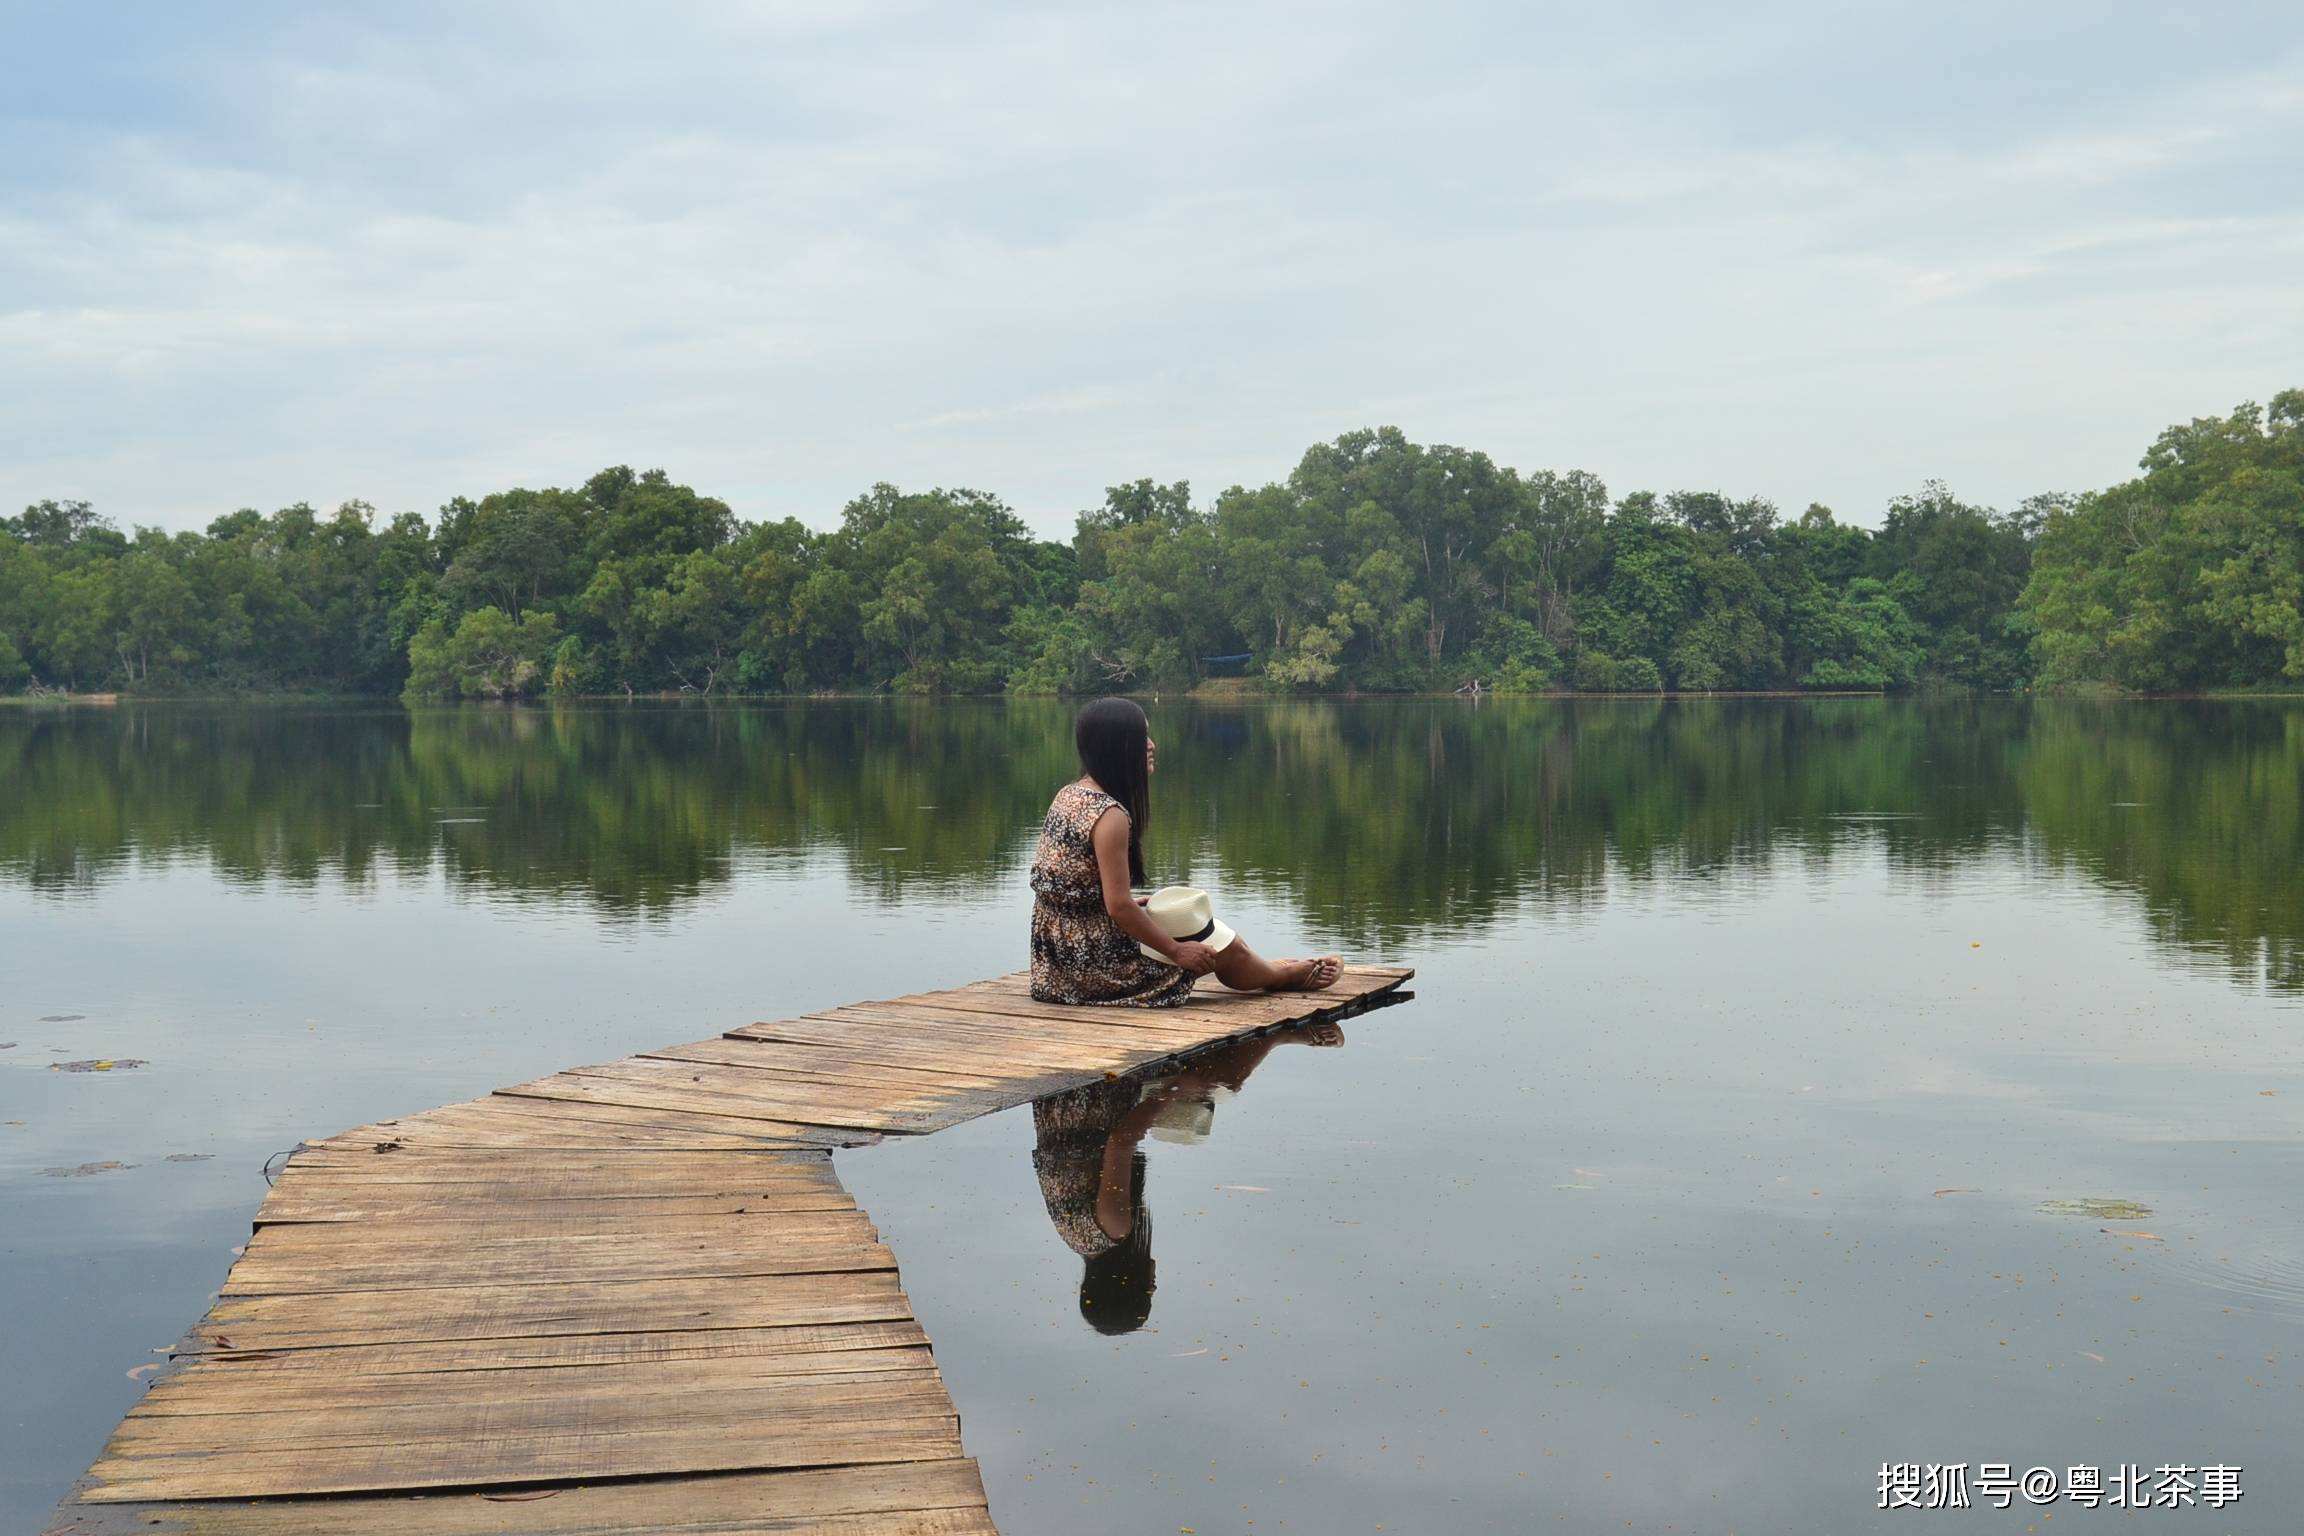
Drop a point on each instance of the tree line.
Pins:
(1379, 564)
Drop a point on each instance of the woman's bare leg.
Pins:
(1244, 970)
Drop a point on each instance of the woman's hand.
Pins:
(1197, 959)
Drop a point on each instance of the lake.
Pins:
(1765, 1057)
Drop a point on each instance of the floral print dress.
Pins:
(1079, 955)
(1070, 1132)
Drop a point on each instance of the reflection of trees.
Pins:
(1388, 822)
(634, 810)
(2197, 808)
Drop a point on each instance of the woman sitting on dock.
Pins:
(1092, 939)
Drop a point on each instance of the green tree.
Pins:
(487, 655)
(1958, 571)
(935, 577)
(514, 550)
(2190, 576)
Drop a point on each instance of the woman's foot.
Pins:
(1314, 975)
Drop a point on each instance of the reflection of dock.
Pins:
(621, 1299)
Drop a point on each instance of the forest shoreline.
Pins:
(2104, 691)
(1379, 566)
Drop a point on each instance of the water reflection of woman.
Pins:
(1091, 1165)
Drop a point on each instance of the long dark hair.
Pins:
(1116, 1285)
(1111, 735)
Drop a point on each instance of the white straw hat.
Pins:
(1182, 911)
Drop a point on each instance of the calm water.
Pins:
(1703, 1176)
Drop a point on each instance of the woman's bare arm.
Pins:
(1109, 837)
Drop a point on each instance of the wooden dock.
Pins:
(621, 1299)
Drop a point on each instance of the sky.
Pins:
(254, 254)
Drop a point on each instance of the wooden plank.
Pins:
(224, 1389)
(1353, 977)
(556, 1260)
(1068, 1039)
(862, 1030)
(465, 1408)
(1020, 1016)
(486, 1164)
(589, 1089)
(460, 1417)
(520, 1122)
(510, 1120)
(891, 1500)
(1178, 1026)
(291, 1204)
(473, 1166)
(867, 1035)
(1224, 1012)
(1209, 997)
(746, 1444)
(981, 1094)
(210, 1520)
(1352, 971)
(755, 1132)
(820, 1101)
(776, 1350)
(388, 1512)
(525, 1311)
(826, 1064)
(573, 1184)
(417, 1232)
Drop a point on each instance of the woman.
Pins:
(1086, 924)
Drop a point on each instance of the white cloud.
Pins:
(785, 251)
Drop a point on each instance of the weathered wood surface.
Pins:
(626, 1297)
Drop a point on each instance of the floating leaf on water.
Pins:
(1957, 1189)
(1253, 1189)
(2149, 1237)
(2097, 1206)
(62, 1018)
(103, 1064)
(83, 1170)
(1575, 1186)
(2091, 1354)
(187, 1157)
(7, 1045)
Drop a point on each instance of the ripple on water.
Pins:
(2269, 1283)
